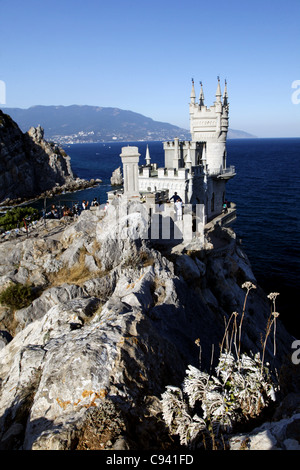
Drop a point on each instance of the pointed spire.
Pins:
(188, 160)
(193, 94)
(148, 159)
(218, 92)
(225, 96)
(201, 97)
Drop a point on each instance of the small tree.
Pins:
(15, 217)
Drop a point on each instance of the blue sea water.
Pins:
(266, 191)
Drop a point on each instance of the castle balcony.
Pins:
(223, 173)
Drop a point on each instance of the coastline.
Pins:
(77, 185)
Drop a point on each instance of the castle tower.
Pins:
(210, 126)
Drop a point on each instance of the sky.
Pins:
(141, 55)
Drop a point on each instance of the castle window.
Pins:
(224, 160)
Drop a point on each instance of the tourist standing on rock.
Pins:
(76, 209)
(84, 204)
(53, 214)
(95, 202)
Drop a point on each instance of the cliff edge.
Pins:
(30, 166)
(115, 321)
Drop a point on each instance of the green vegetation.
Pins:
(15, 217)
(17, 296)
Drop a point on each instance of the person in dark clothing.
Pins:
(175, 197)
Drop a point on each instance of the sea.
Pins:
(266, 191)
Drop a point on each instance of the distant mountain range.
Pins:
(83, 124)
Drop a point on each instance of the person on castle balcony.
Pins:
(178, 209)
(175, 197)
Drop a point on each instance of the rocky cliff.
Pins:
(29, 165)
(114, 322)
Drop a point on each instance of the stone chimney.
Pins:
(130, 160)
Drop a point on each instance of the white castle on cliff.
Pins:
(196, 170)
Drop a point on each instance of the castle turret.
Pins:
(218, 92)
(193, 94)
(176, 154)
(210, 126)
(225, 97)
(148, 159)
(201, 96)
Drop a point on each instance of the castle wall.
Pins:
(216, 191)
(181, 152)
(165, 181)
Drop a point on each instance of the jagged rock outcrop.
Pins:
(30, 166)
(116, 322)
(116, 177)
(278, 435)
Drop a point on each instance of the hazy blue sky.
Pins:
(141, 55)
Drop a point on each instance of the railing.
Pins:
(230, 171)
(63, 210)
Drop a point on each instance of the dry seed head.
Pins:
(248, 285)
(273, 295)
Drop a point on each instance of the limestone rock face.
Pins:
(30, 166)
(116, 178)
(115, 323)
(280, 435)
